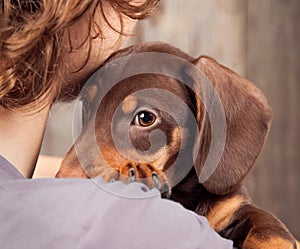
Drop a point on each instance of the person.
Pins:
(47, 51)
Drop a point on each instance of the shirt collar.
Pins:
(8, 171)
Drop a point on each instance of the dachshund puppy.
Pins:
(152, 124)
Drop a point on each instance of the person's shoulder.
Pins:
(91, 212)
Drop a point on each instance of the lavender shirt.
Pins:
(82, 213)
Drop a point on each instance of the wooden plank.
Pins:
(273, 63)
(215, 28)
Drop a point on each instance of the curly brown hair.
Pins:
(31, 34)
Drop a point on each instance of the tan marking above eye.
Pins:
(129, 104)
(92, 92)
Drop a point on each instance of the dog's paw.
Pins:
(139, 172)
(132, 172)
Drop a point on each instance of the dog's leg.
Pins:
(253, 228)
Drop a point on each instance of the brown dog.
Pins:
(220, 197)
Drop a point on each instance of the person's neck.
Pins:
(21, 137)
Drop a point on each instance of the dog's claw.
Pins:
(166, 191)
(131, 175)
(156, 180)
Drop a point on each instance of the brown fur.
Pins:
(222, 198)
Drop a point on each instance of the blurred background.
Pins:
(259, 39)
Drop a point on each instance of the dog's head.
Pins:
(153, 117)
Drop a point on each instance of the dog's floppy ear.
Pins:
(248, 117)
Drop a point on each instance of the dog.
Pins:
(222, 197)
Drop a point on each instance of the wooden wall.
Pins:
(273, 62)
(258, 39)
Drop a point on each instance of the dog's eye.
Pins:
(145, 119)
